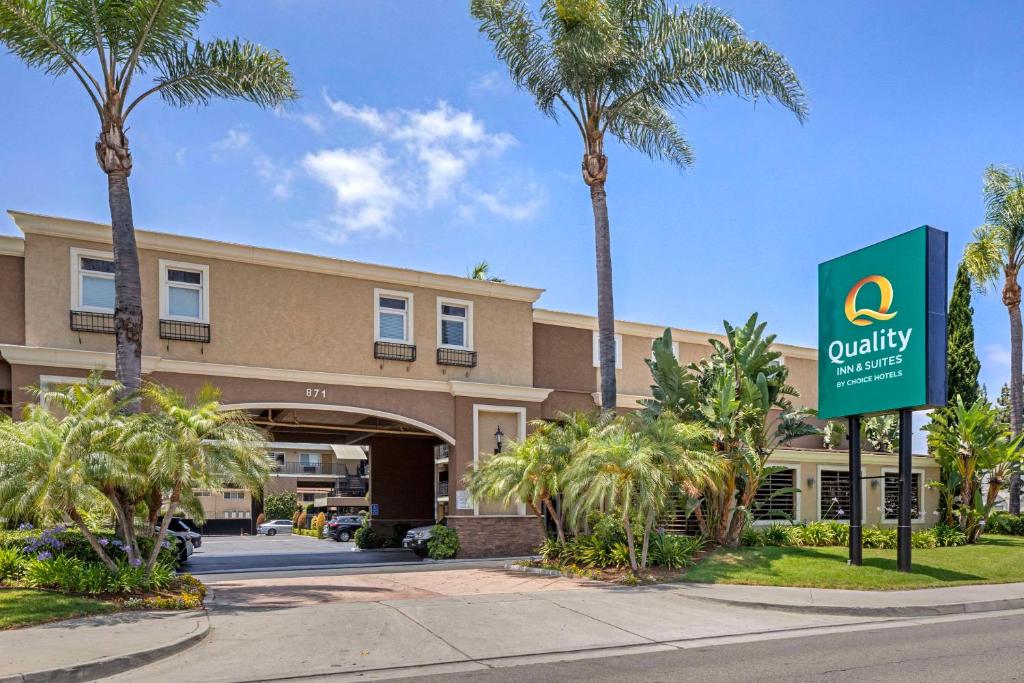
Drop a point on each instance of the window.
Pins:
(455, 324)
(891, 496)
(277, 458)
(618, 351)
(675, 349)
(202, 493)
(310, 461)
(234, 495)
(393, 316)
(834, 495)
(92, 281)
(184, 291)
(773, 502)
(308, 497)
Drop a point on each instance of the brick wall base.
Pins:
(497, 536)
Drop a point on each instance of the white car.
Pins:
(275, 527)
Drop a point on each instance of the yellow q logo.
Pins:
(859, 316)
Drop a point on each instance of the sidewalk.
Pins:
(93, 647)
(906, 603)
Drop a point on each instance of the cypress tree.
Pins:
(962, 363)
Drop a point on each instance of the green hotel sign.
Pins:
(882, 326)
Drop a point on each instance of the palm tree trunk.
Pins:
(165, 526)
(595, 172)
(77, 520)
(630, 542)
(557, 519)
(647, 538)
(115, 159)
(1011, 297)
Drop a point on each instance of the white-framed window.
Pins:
(392, 316)
(891, 495)
(675, 349)
(455, 324)
(234, 495)
(833, 490)
(310, 462)
(92, 280)
(773, 502)
(202, 493)
(184, 291)
(618, 351)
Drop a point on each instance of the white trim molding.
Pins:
(36, 224)
(467, 333)
(921, 507)
(256, 405)
(12, 246)
(204, 289)
(89, 360)
(631, 401)
(511, 410)
(410, 321)
(76, 277)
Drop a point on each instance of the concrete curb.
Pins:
(888, 611)
(109, 666)
(437, 564)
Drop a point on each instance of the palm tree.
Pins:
(620, 67)
(126, 39)
(196, 444)
(55, 468)
(997, 253)
(481, 271)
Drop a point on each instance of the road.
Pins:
(956, 649)
(225, 554)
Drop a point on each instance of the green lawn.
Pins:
(27, 607)
(996, 559)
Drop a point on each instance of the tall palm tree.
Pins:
(107, 45)
(196, 444)
(997, 254)
(620, 67)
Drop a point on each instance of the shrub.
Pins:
(840, 533)
(550, 550)
(877, 537)
(300, 521)
(948, 536)
(924, 539)
(752, 537)
(818, 534)
(12, 564)
(591, 551)
(1002, 522)
(318, 524)
(795, 536)
(367, 538)
(260, 519)
(673, 551)
(443, 543)
(280, 506)
(776, 534)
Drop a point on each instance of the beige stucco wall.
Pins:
(301, 320)
(215, 505)
(12, 299)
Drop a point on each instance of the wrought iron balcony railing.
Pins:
(442, 489)
(459, 357)
(331, 468)
(394, 351)
(180, 330)
(89, 321)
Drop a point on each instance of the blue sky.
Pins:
(410, 147)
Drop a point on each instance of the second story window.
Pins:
(393, 313)
(454, 324)
(92, 281)
(618, 351)
(184, 292)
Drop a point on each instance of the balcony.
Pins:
(457, 357)
(88, 321)
(325, 468)
(180, 330)
(394, 351)
(442, 489)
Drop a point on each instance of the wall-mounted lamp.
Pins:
(810, 482)
(874, 483)
(499, 437)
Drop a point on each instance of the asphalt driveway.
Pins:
(221, 554)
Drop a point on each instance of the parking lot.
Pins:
(220, 554)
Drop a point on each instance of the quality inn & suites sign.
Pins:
(882, 326)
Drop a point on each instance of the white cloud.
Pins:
(279, 178)
(519, 208)
(997, 354)
(235, 141)
(366, 115)
(488, 82)
(365, 194)
(311, 121)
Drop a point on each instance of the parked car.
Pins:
(181, 528)
(343, 528)
(275, 527)
(416, 539)
(182, 544)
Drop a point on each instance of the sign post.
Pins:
(882, 348)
